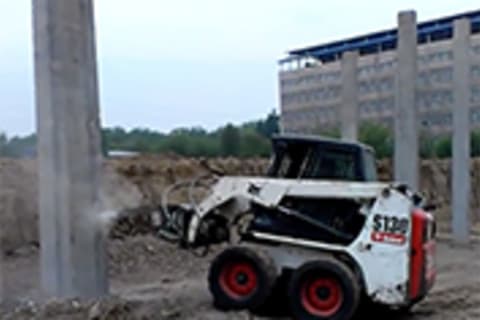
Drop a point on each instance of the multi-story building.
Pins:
(311, 78)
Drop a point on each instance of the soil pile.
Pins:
(18, 203)
(151, 254)
(134, 186)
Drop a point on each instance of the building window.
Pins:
(441, 98)
(362, 108)
(387, 84)
(475, 115)
(447, 120)
(435, 76)
(291, 82)
(444, 56)
(376, 86)
(447, 97)
(423, 79)
(366, 71)
(389, 103)
(422, 59)
(374, 107)
(333, 76)
(440, 56)
(447, 56)
(322, 114)
(475, 95)
(476, 50)
(444, 75)
(475, 72)
(383, 66)
(434, 99)
(363, 87)
(440, 120)
(424, 101)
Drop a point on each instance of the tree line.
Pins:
(251, 139)
(381, 138)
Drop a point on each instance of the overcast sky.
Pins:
(165, 64)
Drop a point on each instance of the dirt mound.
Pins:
(19, 200)
(151, 255)
(132, 186)
(151, 175)
(18, 203)
(135, 186)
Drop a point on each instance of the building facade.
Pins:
(310, 79)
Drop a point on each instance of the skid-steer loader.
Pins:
(320, 223)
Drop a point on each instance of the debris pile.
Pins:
(133, 222)
(150, 254)
(134, 186)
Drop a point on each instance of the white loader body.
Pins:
(381, 250)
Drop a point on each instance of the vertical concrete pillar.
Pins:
(461, 132)
(73, 260)
(349, 107)
(2, 275)
(9, 238)
(3, 209)
(406, 160)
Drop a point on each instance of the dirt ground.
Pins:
(151, 279)
(137, 183)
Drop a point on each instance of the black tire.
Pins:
(324, 289)
(369, 309)
(240, 279)
(276, 305)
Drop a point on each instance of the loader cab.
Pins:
(319, 158)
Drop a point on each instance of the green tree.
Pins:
(253, 144)
(378, 136)
(249, 139)
(230, 140)
(475, 143)
(17, 146)
(426, 144)
(332, 132)
(269, 126)
(3, 144)
(443, 147)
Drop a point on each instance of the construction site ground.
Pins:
(151, 279)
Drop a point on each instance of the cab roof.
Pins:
(316, 139)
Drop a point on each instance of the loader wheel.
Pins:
(324, 289)
(240, 278)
